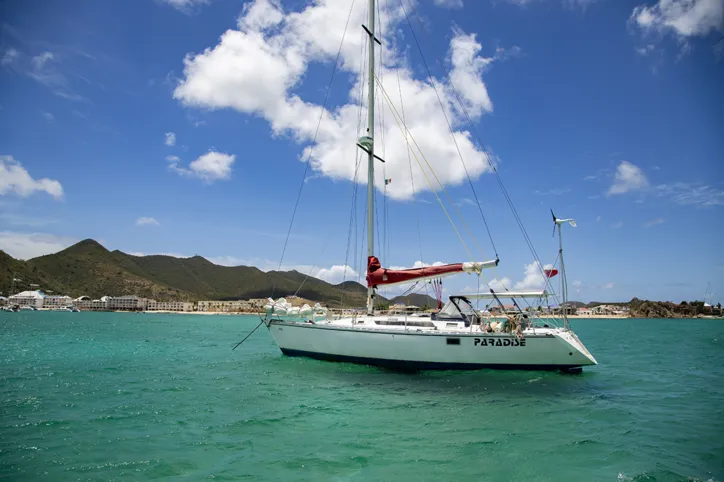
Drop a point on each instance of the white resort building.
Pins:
(28, 298)
(128, 302)
(225, 306)
(153, 305)
(55, 301)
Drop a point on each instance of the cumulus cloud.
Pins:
(257, 67)
(533, 278)
(14, 179)
(210, 167)
(336, 274)
(170, 139)
(628, 177)
(418, 264)
(684, 18)
(502, 284)
(32, 245)
(145, 221)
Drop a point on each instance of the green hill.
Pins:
(416, 299)
(87, 268)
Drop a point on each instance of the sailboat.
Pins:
(458, 337)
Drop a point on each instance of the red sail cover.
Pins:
(377, 275)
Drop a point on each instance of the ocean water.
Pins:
(108, 396)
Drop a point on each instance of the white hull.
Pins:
(458, 349)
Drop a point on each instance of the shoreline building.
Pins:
(225, 306)
(153, 305)
(57, 301)
(28, 298)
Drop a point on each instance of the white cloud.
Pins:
(145, 221)
(608, 286)
(256, 68)
(31, 245)
(212, 166)
(9, 57)
(15, 179)
(418, 264)
(598, 219)
(685, 18)
(44, 69)
(628, 177)
(582, 4)
(533, 279)
(689, 194)
(336, 274)
(502, 284)
(617, 225)
(653, 222)
(185, 6)
(590, 178)
(170, 139)
(449, 3)
(227, 260)
(556, 191)
(646, 49)
(48, 116)
(39, 61)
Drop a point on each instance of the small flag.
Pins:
(388, 181)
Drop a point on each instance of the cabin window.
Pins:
(453, 341)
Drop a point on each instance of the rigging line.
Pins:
(432, 171)
(432, 188)
(412, 179)
(491, 164)
(247, 336)
(324, 248)
(385, 209)
(449, 125)
(314, 140)
(355, 190)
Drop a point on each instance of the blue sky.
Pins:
(183, 127)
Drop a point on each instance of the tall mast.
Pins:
(564, 283)
(370, 151)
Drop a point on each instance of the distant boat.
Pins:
(459, 337)
(28, 308)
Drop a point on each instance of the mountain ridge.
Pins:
(88, 268)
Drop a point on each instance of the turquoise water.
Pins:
(107, 396)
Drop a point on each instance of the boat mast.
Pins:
(564, 284)
(370, 151)
(564, 281)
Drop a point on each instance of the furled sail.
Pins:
(377, 275)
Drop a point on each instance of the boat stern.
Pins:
(579, 354)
